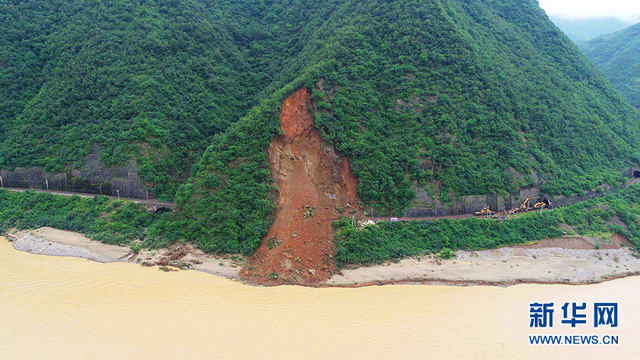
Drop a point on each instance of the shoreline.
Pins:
(566, 261)
(466, 283)
(54, 242)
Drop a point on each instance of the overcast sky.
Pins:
(628, 10)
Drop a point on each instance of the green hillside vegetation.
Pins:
(454, 96)
(617, 55)
(446, 95)
(151, 80)
(394, 240)
(100, 218)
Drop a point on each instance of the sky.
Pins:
(627, 10)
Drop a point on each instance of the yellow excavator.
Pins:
(523, 207)
(540, 205)
(485, 211)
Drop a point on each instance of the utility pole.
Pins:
(46, 181)
(100, 188)
(1, 183)
(147, 194)
(118, 191)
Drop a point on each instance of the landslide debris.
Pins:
(315, 186)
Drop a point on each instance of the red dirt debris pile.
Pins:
(315, 186)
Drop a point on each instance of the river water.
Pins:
(66, 308)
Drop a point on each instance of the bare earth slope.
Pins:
(314, 185)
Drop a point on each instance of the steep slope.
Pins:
(151, 81)
(447, 98)
(618, 57)
(450, 98)
(315, 187)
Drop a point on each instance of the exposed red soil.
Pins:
(314, 184)
(619, 241)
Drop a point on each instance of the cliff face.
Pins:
(315, 186)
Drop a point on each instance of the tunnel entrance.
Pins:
(544, 203)
(162, 210)
(636, 174)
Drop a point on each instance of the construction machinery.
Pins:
(540, 205)
(524, 206)
(485, 212)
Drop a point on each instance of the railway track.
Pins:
(149, 204)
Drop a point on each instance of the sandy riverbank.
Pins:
(570, 260)
(54, 242)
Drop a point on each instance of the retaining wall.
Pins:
(91, 178)
(426, 206)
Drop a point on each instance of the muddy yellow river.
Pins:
(65, 308)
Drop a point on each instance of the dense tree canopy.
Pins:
(459, 97)
(149, 80)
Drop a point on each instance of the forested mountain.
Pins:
(457, 97)
(453, 96)
(149, 80)
(618, 57)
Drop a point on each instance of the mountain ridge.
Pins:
(581, 30)
(436, 111)
(616, 55)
